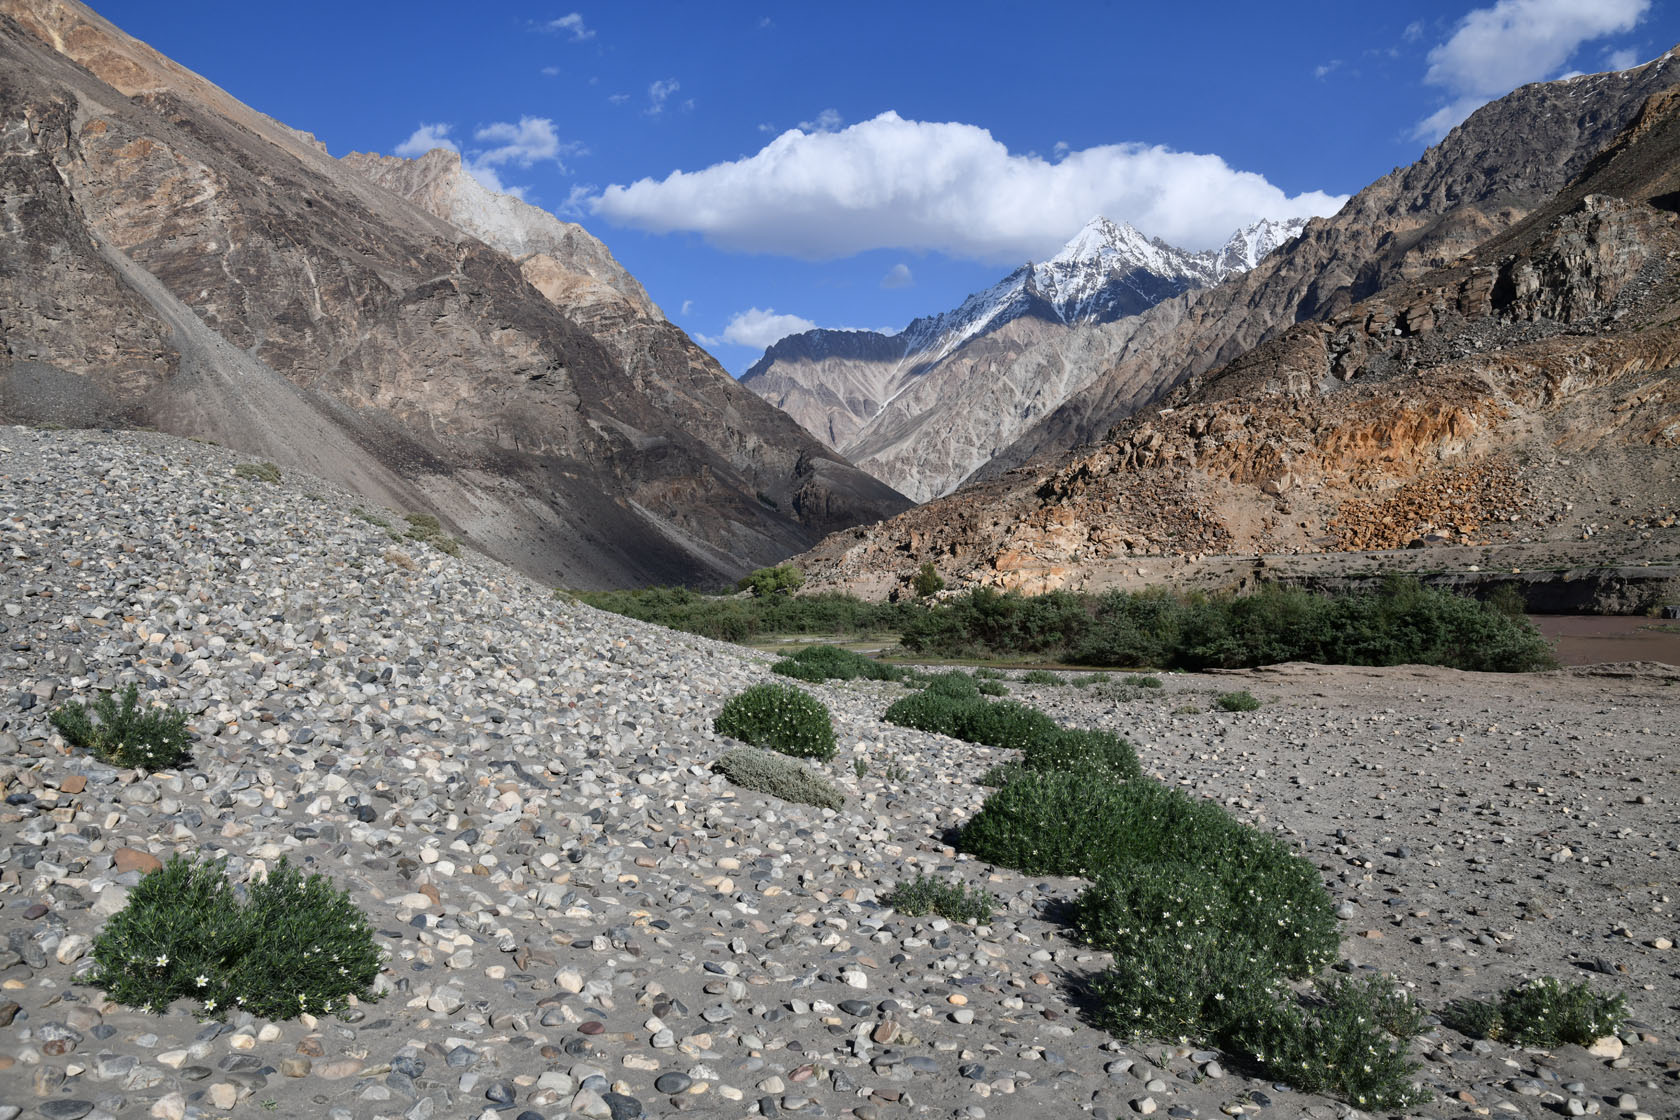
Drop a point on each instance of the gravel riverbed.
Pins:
(582, 920)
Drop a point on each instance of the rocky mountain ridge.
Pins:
(1507, 158)
(180, 261)
(1478, 403)
(862, 392)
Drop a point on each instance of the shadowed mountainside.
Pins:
(175, 259)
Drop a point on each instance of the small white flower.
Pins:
(162, 960)
(201, 980)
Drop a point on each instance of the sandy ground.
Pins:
(1487, 828)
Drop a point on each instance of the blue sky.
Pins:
(770, 166)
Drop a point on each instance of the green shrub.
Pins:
(1475, 1018)
(427, 529)
(126, 734)
(1012, 726)
(732, 619)
(1074, 749)
(780, 717)
(1399, 622)
(953, 683)
(984, 621)
(778, 776)
(1051, 823)
(1353, 1040)
(1040, 676)
(992, 688)
(1545, 1012)
(1242, 701)
(928, 581)
(1088, 680)
(296, 945)
(822, 663)
(1002, 774)
(1194, 984)
(1144, 681)
(783, 579)
(259, 472)
(955, 901)
(1246, 886)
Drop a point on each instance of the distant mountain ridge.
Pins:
(841, 385)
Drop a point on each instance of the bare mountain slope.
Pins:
(172, 258)
(1529, 392)
(1507, 158)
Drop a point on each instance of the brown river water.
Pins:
(1589, 639)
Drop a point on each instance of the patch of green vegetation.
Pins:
(778, 776)
(427, 529)
(823, 663)
(1544, 1012)
(780, 717)
(1208, 920)
(1240, 701)
(951, 704)
(783, 579)
(1040, 676)
(294, 946)
(732, 619)
(124, 734)
(258, 472)
(928, 581)
(1402, 622)
(1352, 1038)
(956, 900)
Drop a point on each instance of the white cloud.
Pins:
(551, 71)
(896, 183)
(1621, 60)
(532, 140)
(1494, 50)
(424, 139)
(659, 93)
(758, 328)
(1324, 70)
(572, 24)
(687, 307)
(829, 120)
(898, 276)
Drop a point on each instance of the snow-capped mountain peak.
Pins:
(1249, 245)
